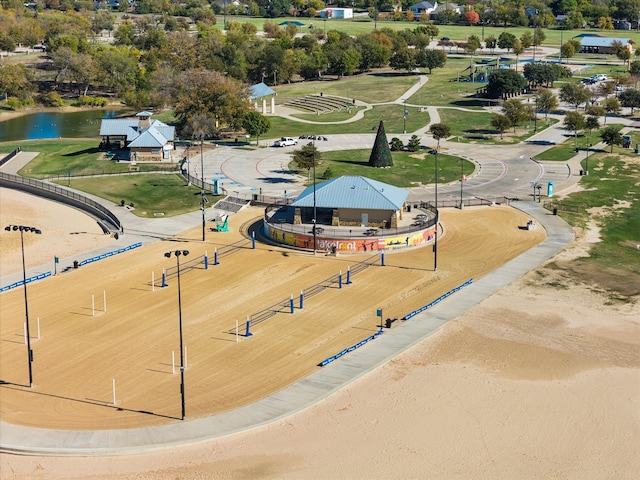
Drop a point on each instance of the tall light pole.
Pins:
(461, 181)
(22, 229)
(404, 117)
(203, 199)
(177, 254)
(435, 241)
(315, 212)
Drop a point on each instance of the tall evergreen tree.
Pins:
(381, 154)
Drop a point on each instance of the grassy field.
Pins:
(567, 150)
(72, 157)
(610, 199)
(373, 87)
(360, 25)
(409, 169)
(392, 115)
(152, 195)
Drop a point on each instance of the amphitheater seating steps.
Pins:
(319, 104)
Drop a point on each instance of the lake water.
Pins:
(54, 125)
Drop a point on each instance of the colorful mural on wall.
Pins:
(353, 245)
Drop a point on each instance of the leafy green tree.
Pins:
(8, 45)
(431, 58)
(518, 49)
(611, 105)
(413, 145)
(256, 124)
(574, 93)
(306, 156)
(506, 40)
(473, 44)
(439, 131)
(611, 136)
(515, 111)
(15, 81)
(538, 36)
(526, 39)
(591, 123)
(199, 91)
(503, 83)
(546, 101)
(567, 50)
(396, 144)
(491, 43)
(501, 123)
(575, 122)
(403, 59)
(630, 98)
(375, 50)
(125, 34)
(634, 67)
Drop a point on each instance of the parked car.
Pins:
(619, 87)
(588, 81)
(601, 77)
(285, 142)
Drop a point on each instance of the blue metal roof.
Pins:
(151, 137)
(260, 90)
(128, 127)
(353, 192)
(601, 41)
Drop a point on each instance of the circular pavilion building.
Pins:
(351, 214)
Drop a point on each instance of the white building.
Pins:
(336, 12)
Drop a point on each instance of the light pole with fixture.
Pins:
(462, 179)
(315, 211)
(37, 231)
(435, 241)
(178, 254)
(203, 198)
(404, 117)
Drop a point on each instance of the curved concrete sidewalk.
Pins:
(308, 391)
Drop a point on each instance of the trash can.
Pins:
(408, 208)
(555, 211)
(255, 197)
(75, 264)
(581, 172)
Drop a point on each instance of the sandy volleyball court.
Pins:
(536, 382)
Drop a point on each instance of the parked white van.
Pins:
(285, 142)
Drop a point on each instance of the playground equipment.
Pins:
(222, 225)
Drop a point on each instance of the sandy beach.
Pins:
(541, 380)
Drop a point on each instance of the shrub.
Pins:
(396, 144)
(52, 99)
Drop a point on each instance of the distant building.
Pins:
(147, 140)
(443, 7)
(336, 12)
(423, 7)
(593, 44)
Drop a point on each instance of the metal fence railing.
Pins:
(57, 193)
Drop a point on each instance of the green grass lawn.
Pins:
(454, 32)
(567, 149)
(75, 157)
(612, 183)
(153, 195)
(409, 169)
(392, 115)
(374, 87)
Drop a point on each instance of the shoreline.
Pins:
(12, 114)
